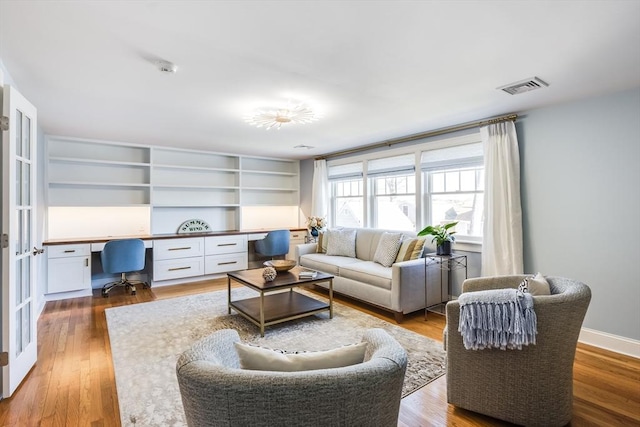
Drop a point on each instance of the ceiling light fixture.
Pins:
(303, 146)
(276, 117)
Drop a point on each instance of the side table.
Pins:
(444, 263)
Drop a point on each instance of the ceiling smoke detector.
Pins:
(167, 67)
(523, 86)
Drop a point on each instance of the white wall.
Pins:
(581, 202)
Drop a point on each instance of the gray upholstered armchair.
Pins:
(532, 386)
(217, 392)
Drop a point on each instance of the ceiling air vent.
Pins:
(524, 86)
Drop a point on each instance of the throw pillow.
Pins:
(322, 240)
(387, 249)
(410, 249)
(539, 286)
(341, 242)
(535, 285)
(264, 359)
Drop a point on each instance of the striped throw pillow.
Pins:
(410, 249)
(321, 243)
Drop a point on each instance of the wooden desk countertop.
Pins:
(53, 242)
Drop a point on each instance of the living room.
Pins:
(578, 139)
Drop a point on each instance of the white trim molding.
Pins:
(616, 343)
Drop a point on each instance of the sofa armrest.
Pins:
(407, 285)
(303, 249)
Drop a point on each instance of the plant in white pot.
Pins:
(441, 235)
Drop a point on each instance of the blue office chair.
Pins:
(123, 256)
(276, 243)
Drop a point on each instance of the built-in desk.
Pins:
(74, 267)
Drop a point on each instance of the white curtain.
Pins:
(502, 239)
(320, 190)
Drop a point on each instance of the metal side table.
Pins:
(444, 263)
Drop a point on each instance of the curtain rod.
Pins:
(421, 135)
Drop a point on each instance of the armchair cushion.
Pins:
(265, 359)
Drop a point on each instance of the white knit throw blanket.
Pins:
(500, 318)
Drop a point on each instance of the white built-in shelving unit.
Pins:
(174, 184)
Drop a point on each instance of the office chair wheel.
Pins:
(105, 294)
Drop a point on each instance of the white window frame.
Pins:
(422, 210)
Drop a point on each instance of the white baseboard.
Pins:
(610, 342)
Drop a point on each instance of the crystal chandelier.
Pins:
(276, 117)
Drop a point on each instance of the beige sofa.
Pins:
(399, 288)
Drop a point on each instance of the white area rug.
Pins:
(146, 340)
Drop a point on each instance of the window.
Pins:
(388, 193)
(453, 179)
(393, 185)
(348, 200)
(347, 195)
(394, 202)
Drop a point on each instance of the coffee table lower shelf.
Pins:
(278, 307)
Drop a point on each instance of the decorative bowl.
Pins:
(280, 264)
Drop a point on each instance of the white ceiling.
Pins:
(377, 70)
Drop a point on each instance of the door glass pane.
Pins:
(26, 278)
(18, 240)
(19, 281)
(26, 184)
(18, 133)
(26, 231)
(18, 332)
(26, 325)
(18, 182)
(27, 138)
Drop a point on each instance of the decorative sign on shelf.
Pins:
(194, 226)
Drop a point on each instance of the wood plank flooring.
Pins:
(73, 382)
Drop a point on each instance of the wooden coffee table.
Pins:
(273, 307)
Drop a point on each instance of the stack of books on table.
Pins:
(307, 274)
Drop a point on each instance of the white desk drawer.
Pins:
(297, 237)
(178, 268)
(63, 251)
(225, 244)
(178, 248)
(222, 263)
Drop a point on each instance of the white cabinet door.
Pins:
(69, 274)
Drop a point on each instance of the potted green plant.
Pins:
(441, 235)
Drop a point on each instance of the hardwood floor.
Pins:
(73, 382)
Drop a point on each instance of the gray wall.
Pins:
(581, 202)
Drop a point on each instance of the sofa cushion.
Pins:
(368, 272)
(265, 359)
(327, 263)
(387, 250)
(341, 242)
(410, 249)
